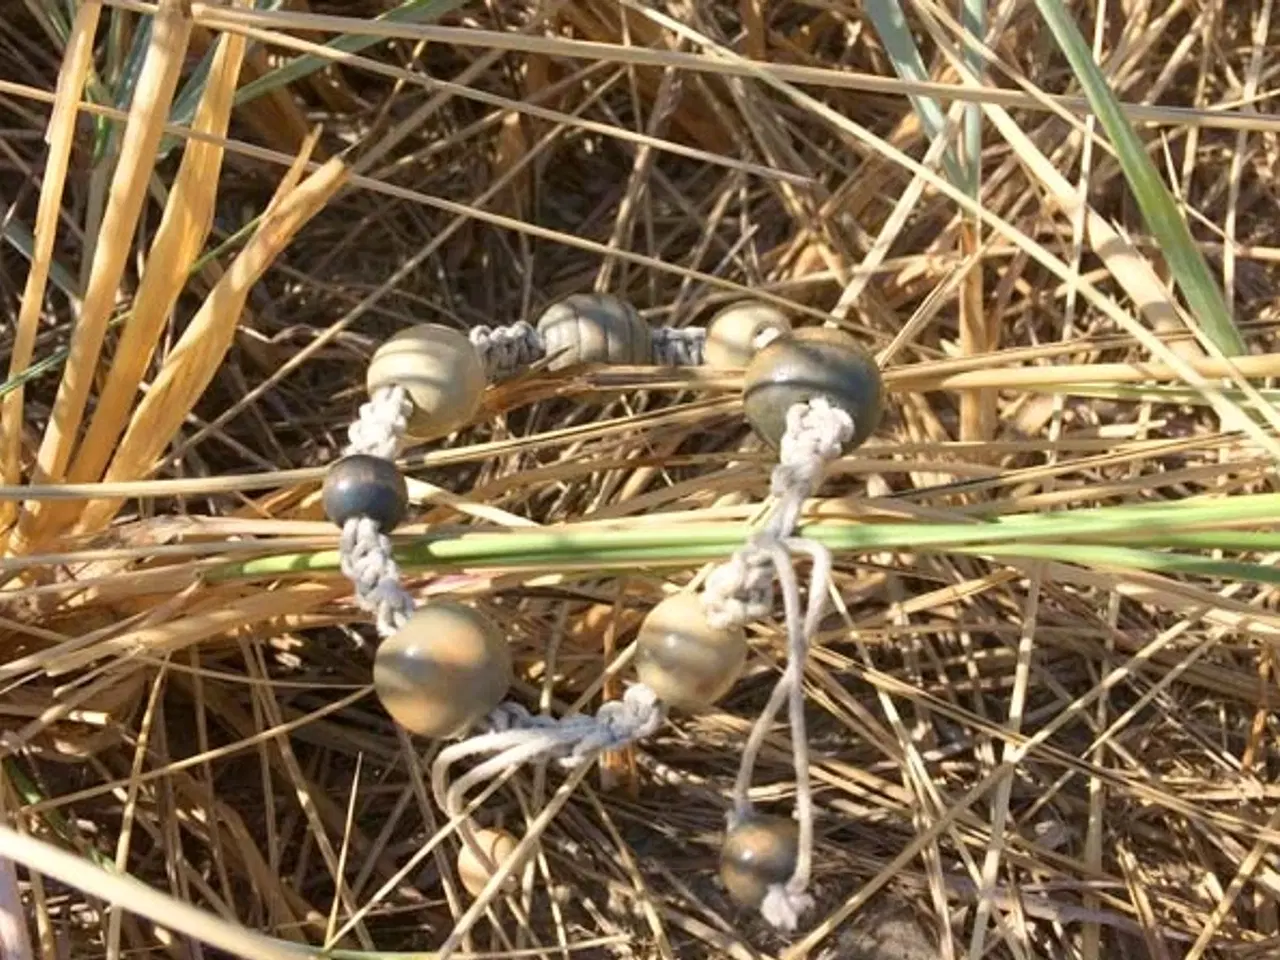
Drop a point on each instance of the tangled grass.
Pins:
(1041, 709)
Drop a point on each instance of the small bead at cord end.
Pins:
(497, 846)
(759, 852)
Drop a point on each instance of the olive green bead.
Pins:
(443, 670)
(594, 328)
(810, 363)
(682, 658)
(441, 371)
(759, 852)
(365, 486)
(733, 334)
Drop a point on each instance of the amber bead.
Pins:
(365, 486)
(682, 658)
(441, 371)
(810, 363)
(443, 670)
(497, 846)
(759, 852)
(594, 328)
(734, 334)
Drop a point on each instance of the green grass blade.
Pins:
(65, 282)
(1156, 393)
(891, 26)
(132, 66)
(45, 364)
(1156, 524)
(973, 17)
(188, 98)
(413, 11)
(189, 94)
(1190, 271)
(1127, 558)
(18, 235)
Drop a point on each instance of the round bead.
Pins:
(686, 661)
(365, 486)
(443, 670)
(594, 328)
(497, 846)
(441, 371)
(733, 333)
(758, 853)
(810, 363)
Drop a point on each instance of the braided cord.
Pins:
(741, 590)
(364, 551)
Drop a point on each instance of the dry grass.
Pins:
(1022, 753)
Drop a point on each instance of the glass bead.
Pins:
(759, 852)
(734, 334)
(365, 486)
(594, 328)
(446, 668)
(682, 658)
(812, 362)
(497, 846)
(441, 371)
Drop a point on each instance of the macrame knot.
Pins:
(678, 346)
(507, 350)
(636, 716)
(816, 434)
(782, 907)
(365, 555)
(740, 590)
(510, 715)
(382, 422)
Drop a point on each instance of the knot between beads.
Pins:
(816, 434)
(740, 590)
(382, 422)
(506, 350)
(636, 716)
(678, 346)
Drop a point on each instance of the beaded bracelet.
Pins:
(445, 669)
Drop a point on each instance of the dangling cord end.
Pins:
(783, 907)
(516, 737)
(784, 904)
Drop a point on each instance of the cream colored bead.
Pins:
(687, 662)
(594, 328)
(443, 670)
(497, 846)
(735, 334)
(441, 371)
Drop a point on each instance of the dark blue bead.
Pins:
(365, 486)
